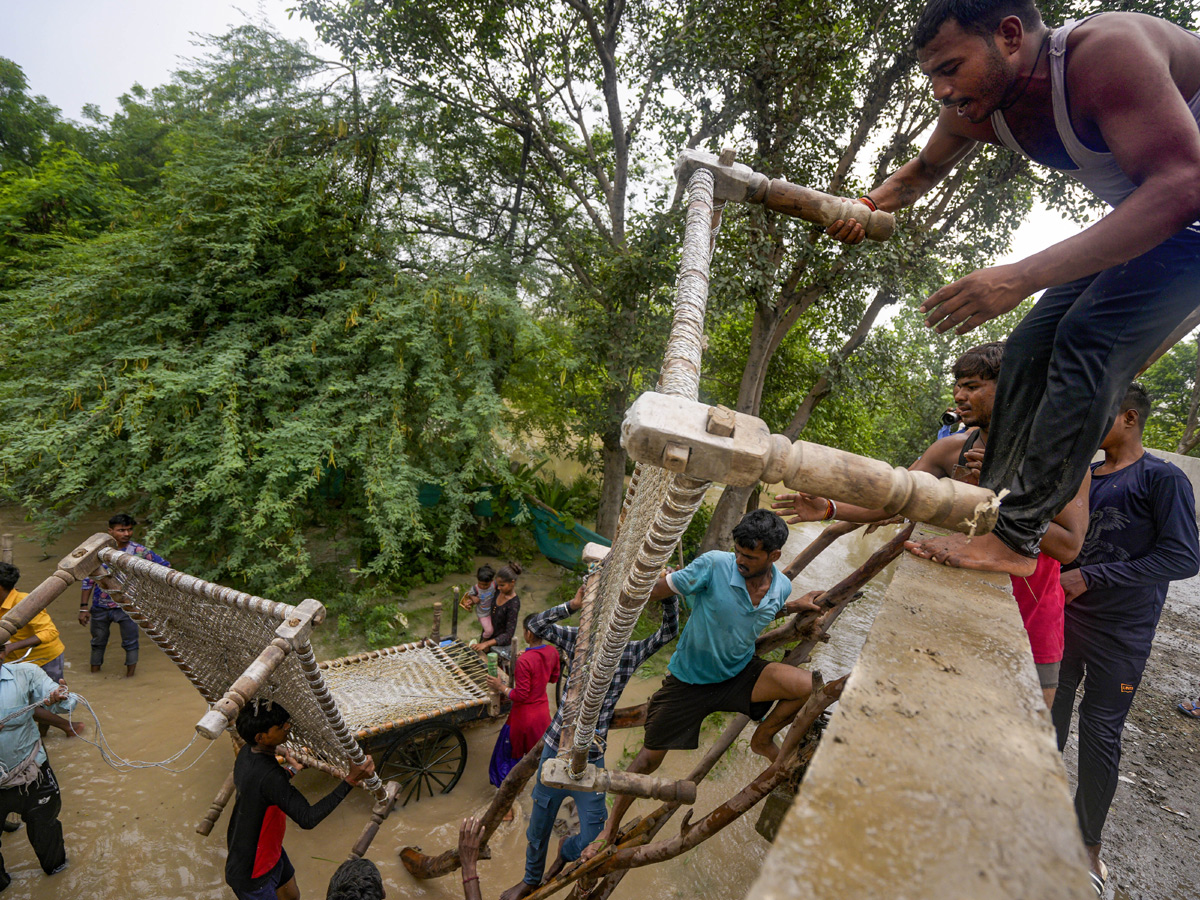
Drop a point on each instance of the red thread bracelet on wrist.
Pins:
(470, 878)
(867, 201)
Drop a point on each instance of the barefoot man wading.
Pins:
(1113, 100)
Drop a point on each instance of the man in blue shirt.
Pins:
(732, 596)
(104, 611)
(1141, 536)
(27, 783)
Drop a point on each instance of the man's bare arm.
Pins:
(1064, 537)
(1119, 79)
(946, 148)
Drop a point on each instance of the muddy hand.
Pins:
(975, 299)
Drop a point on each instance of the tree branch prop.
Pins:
(819, 545)
(633, 848)
(420, 865)
(823, 696)
(812, 625)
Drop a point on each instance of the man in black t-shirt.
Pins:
(257, 867)
(1141, 536)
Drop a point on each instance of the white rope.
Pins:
(659, 504)
(115, 761)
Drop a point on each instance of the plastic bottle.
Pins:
(493, 664)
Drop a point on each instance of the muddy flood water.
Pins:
(131, 833)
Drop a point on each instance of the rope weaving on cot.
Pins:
(214, 633)
(659, 504)
(384, 689)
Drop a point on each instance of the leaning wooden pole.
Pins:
(803, 625)
(634, 850)
(817, 546)
(420, 865)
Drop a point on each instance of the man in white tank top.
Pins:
(1113, 101)
(1114, 292)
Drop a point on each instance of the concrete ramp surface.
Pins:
(938, 776)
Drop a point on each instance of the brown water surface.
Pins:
(131, 834)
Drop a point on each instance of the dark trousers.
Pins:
(102, 622)
(38, 804)
(1110, 681)
(1066, 368)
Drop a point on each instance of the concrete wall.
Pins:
(1189, 464)
(938, 776)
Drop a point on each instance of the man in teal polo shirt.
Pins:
(732, 597)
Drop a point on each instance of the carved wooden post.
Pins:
(688, 437)
(290, 635)
(72, 569)
(454, 614)
(738, 183)
(436, 634)
(217, 807)
(379, 812)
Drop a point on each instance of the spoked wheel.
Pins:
(425, 760)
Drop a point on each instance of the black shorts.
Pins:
(678, 709)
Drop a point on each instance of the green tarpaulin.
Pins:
(558, 538)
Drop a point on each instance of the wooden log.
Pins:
(817, 546)
(379, 812)
(6, 548)
(73, 568)
(823, 209)
(436, 634)
(740, 184)
(629, 717)
(223, 794)
(556, 774)
(732, 809)
(421, 866)
(671, 432)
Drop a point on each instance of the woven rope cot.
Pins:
(658, 504)
(383, 690)
(215, 634)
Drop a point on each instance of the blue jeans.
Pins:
(102, 621)
(546, 801)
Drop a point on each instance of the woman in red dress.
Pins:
(537, 668)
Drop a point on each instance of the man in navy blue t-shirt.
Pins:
(1141, 536)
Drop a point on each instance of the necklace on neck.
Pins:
(1037, 59)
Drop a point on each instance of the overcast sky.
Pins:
(76, 52)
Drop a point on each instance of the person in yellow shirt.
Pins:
(37, 643)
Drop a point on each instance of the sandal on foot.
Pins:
(1099, 881)
(1189, 709)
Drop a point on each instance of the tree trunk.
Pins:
(1191, 437)
(612, 486)
(729, 511)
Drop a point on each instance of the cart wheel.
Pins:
(426, 759)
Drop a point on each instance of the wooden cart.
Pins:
(409, 704)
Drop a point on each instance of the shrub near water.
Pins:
(240, 356)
